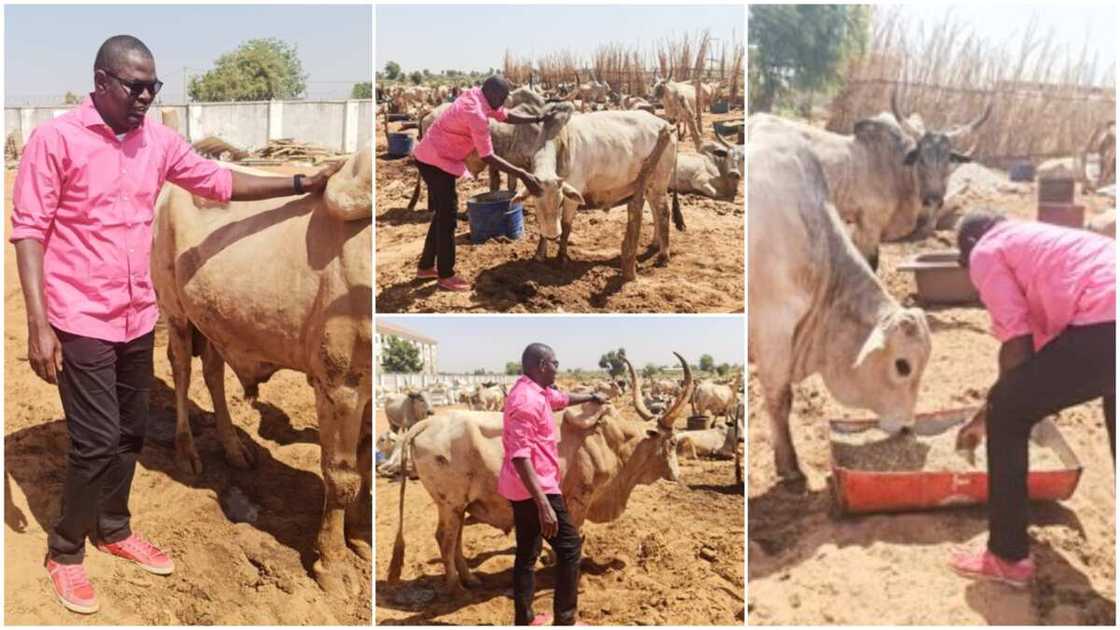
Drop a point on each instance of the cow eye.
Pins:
(903, 367)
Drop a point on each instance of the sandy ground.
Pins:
(642, 569)
(226, 573)
(807, 568)
(704, 275)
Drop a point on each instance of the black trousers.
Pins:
(104, 388)
(443, 201)
(1077, 366)
(568, 547)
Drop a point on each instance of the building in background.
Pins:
(428, 347)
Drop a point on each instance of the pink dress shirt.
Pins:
(463, 127)
(528, 430)
(1038, 279)
(89, 198)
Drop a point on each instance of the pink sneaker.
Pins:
(454, 283)
(986, 565)
(142, 552)
(427, 274)
(543, 619)
(72, 587)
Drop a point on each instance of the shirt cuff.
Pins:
(223, 186)
(524, 451)
(27, 232)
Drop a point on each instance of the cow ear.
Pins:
(959, 158)
(522, 194)
(652, 433)
(877, 340)
(570, 193)
(911, 157)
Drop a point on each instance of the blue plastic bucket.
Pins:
(720, 107)
(490, 215)
(400, 144)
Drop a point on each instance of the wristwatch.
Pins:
(297, 184)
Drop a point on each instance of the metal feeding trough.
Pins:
(941, 279)
(864, 491)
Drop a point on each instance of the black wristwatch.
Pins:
(297, 183)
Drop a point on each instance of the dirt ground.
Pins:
(225, 573)
(807, 568)
(705, 274)
(642, 569)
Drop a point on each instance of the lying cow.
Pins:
(715, 399)
(602, 458)
(716, 171)
(719, 441)
(405, 410)
(815, 304)
(269, 285)
(886, 180)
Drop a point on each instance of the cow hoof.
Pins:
(361, 548)
(470, 581)
(661, 261)
(241, 456)
(562, 260)
(335, 581)
(187, 459)
(794, 482)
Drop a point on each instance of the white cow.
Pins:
(716, 171)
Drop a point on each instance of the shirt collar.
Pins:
(90, 117)
(531, 383)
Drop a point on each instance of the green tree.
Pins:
(362, 90)
(802, 47)
(392, 70)
(71, 99)
(722, 369)
(649, 371)
(513, 368)
(707, 363)
(480, 372)
(259, 70)
(612, 362)
(416, 77)
(401, 356)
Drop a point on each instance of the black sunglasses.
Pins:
(136, 88)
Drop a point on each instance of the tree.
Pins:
(612, 362)
(416, 77)
(649, 371)
(801, 47)
(480, 372)
(362, 90)
(401, 356)
(71, 98)
(513, 368)
(722, 369)
(707, 363)
(259, 70)
(392, 70)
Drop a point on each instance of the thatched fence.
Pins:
(1045, 103)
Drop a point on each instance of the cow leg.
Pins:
(542, 250)
(779, 400)
(468, 579)
(340, 423)
(447, 537)
(359, 524)
(179, 356)
(213, 370)
(659, 208)
(566, 219)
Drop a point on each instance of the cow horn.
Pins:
(666, 420)
(972, 126)
(902, 121)
(636, 386)
(722, 141)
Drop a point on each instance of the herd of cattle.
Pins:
(456, 454)
(593, 160)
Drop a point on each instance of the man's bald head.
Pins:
(495, 88)
(538, 362)
(116, 50)
(973, 226)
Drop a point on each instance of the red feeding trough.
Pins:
(863, 491)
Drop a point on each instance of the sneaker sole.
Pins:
(990, 578)
(147, 567)
(78, 608)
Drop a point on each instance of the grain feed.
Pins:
(873, 450)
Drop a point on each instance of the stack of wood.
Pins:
(289, 150)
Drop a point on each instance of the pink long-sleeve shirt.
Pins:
(1038, 279)
(89, 198)
(463, 127)
(528, 430)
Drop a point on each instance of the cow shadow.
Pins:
(290, 499)
(400, 297)
(782, 520)
(276, 425)
(404, 216)
(426, 596)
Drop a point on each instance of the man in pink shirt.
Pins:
(82, 215)
(1051, 295)
(440, 158)
(530, 479)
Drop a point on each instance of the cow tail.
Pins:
(678, 216)
(397, 561)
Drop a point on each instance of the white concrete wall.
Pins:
(343, 126)
(393, 381)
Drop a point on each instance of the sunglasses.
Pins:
(555, 363)
(136, 88)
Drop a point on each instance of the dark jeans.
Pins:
(1077, 366)
(443, 201)
(104, 389)
(568, 547)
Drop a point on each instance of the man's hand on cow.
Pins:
(970, 435)
(532, 183)
(547, 515)
(44, 352)
(599, 398)
(317, 181)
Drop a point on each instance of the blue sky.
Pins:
(50, 49)
(471, 342)
(440, 37)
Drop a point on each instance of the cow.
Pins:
(389, 446)
(715, 171)
(594, 161)
(593, 91)
(1103, 223)
(1103, 143)
(719, 400)
(490, 398)
(678, 100)
(405, 410)
(719, 441)
(602, 458)
(274, 284)
(665, 387)
(633, 103)
(816, 306)
(888, 179)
